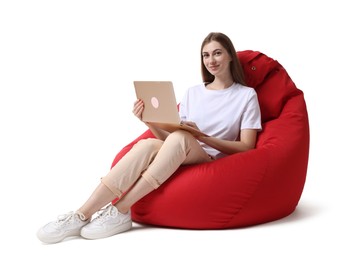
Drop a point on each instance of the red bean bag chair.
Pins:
(249, 188)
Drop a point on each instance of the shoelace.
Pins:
(66, 218)
(104, 213)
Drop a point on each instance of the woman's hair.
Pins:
(235, 65)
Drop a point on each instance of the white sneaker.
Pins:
(66, 225)
(109, 222)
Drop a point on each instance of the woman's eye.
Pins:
(217, 53)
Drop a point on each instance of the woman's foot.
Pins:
(109, 222)
(66, 225)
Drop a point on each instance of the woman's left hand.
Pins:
(190, 123)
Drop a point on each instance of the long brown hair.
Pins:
(235, 65)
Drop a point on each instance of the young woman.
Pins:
(222, 107)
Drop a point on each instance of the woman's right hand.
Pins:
(138, 108)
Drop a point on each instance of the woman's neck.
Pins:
(218, 84)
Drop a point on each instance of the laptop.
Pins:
(160, 106)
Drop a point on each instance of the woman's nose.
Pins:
(212, 60)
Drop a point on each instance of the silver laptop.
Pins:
(160, 106)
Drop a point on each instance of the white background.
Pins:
(66, 73)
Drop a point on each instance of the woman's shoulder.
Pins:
(193, 91)
(196, 88)
(245, 89)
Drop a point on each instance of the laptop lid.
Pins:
(160, 104)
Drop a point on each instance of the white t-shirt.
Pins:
(221, 113)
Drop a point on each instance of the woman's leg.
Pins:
(144, 158)
(122, 176)
(100, 197)
(179, 148)
(139, 190)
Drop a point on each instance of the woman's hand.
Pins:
(190, 123)
(138, 108)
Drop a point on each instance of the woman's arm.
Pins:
(138, 109)
(247, 142)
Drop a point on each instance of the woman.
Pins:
(222, 107)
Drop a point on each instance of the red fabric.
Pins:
(243, 189)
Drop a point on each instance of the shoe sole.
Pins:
(120, 229)
(51, 240)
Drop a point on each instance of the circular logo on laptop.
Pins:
(155, 102)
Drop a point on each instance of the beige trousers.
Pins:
(155, 160)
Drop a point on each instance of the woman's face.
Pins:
(216, 59)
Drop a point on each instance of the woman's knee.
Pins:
(150, 144)
(180, 137)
